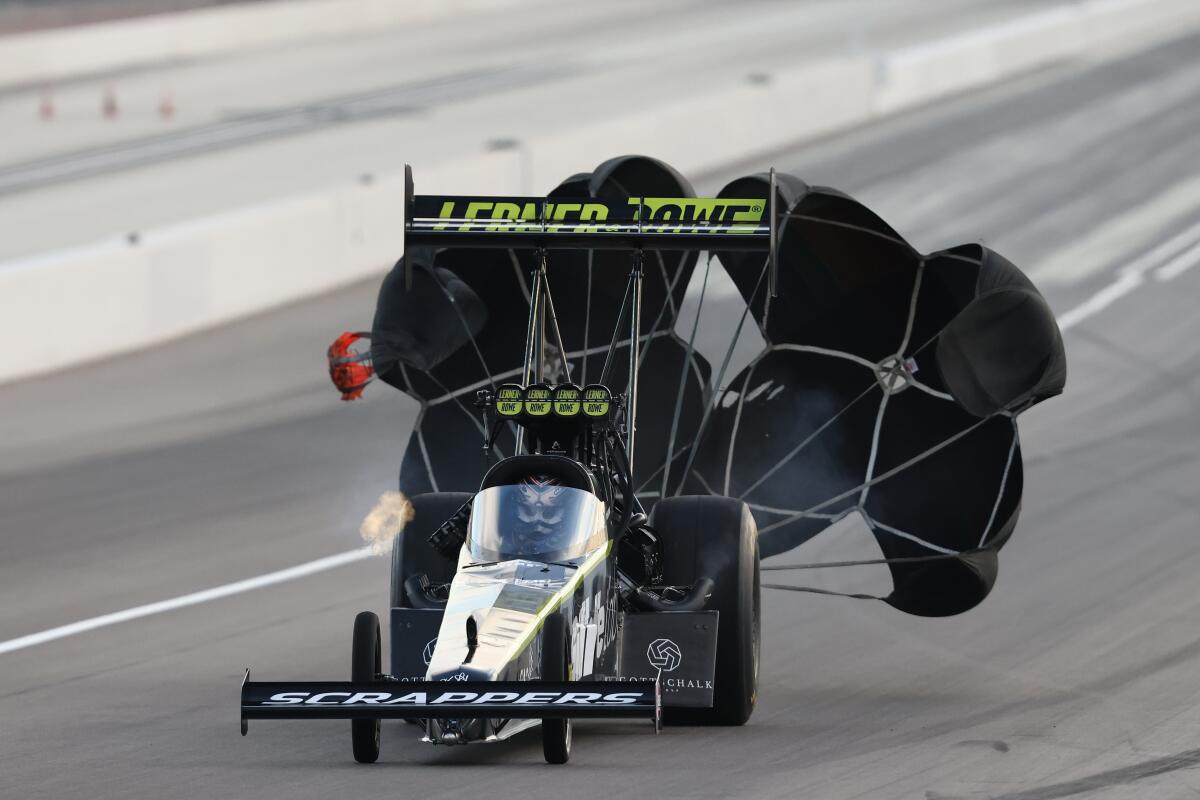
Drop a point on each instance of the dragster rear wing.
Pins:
(450, 700)
(586, 223)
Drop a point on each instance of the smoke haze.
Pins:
(385, 521)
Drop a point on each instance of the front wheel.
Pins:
(366, 664)
(556, 666)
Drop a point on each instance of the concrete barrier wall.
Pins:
(119, 295)
(86, 303)
(697, 134)
(1090, 28)
(927, 71)
(59, 54)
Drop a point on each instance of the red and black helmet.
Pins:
(350, 370)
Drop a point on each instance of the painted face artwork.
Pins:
(539, 509)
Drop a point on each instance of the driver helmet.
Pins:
(350, 370)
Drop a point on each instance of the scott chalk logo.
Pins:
(664, 654)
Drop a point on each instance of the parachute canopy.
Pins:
(880, 380)
(889, 385)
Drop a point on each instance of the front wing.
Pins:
(450, 700)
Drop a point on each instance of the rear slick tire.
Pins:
(411, 552)
(556, 666)
(715, 537)
(366, 664)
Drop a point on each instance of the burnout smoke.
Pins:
(386, 521)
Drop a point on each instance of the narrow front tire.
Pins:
(366, 664)
(556, 666)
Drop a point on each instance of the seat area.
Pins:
(513, 469)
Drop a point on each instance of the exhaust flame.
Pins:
(386, 521)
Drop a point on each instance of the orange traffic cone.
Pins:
(109, 105)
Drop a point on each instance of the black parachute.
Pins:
(889, 384)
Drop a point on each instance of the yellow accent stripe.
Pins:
(556, 600)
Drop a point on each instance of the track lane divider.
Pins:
(1180, 264)
(1167, 261)
(185, 600)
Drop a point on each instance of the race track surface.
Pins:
(225, 456)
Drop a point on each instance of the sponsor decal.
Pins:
(664, 654)
(528, 216)
(586, 642)
(647, 214)
(673, 215)
(677, 650)
(509, 400)
(427, 653)
(537, 400)
(459, 698)
(567, 400)
(669, 685)
(597, 400)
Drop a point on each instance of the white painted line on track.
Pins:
(195, 598)
(1089, 254)
(1180, 264)
(1128, 278)
(1180, 253)
(1126, 283)
(1168, 249)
